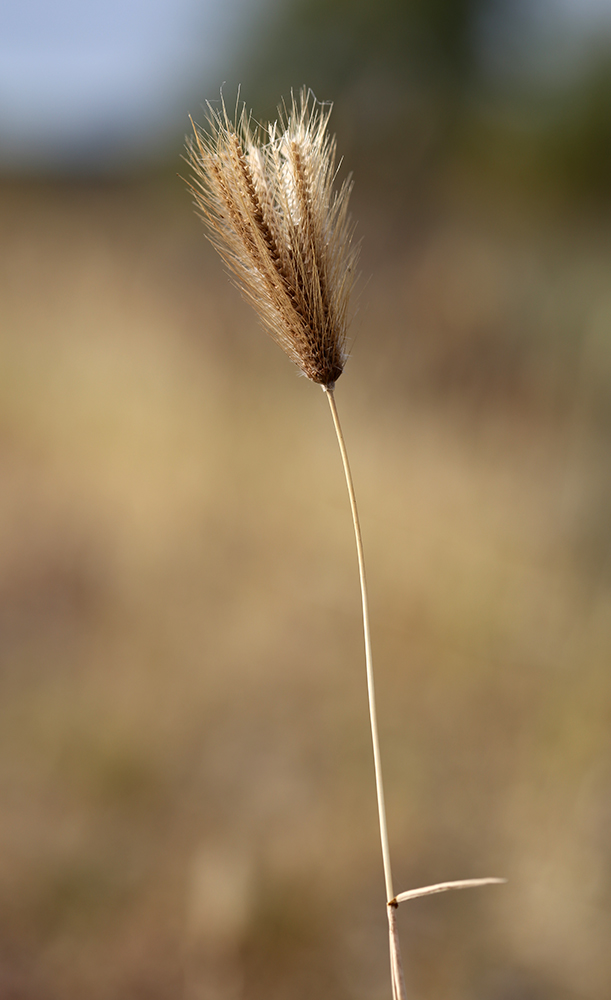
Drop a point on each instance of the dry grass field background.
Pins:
(185, 774)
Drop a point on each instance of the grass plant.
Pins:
(267, 194)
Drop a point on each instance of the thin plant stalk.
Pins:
(396, 966)
(373, 718)
(398, 983)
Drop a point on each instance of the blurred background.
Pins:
(187, 802)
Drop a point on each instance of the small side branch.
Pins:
(430, 890)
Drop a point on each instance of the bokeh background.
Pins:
(187, 805)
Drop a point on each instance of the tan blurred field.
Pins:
(187, 791)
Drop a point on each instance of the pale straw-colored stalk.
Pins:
(267, 195)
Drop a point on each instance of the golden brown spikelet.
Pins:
(266, 193)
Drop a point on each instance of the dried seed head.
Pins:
(266, 193)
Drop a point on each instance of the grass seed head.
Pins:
(267, 195)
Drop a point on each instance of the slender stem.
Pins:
(368, 657)
(396, 969)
